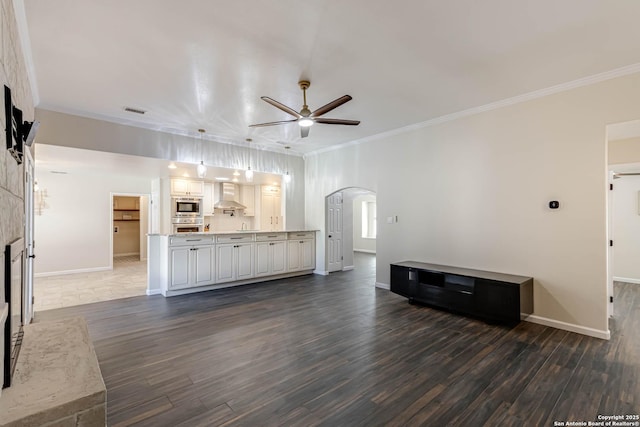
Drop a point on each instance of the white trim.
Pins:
(626, 280)
(366, 251)
(348, 267)
(607, 75)
(383, 286)
(321, 272)
(154, 292)
(571, 327)
(65, 272)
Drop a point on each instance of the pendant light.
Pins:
(287, 177)
(248, 174)
(201, 169)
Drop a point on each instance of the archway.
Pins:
(351, 225)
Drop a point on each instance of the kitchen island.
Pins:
(194, 262)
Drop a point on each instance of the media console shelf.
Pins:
(491, 296)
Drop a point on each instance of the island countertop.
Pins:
(221, 233)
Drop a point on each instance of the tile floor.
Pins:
(128, 278)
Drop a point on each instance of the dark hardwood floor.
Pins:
(335, 351)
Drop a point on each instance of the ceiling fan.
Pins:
(305, 117)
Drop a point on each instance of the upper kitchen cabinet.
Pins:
(271, 209)
(208, 199)
(248, 198)
(187, 187)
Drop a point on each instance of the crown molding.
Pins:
(563, 87)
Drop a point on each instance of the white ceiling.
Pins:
(204, 64)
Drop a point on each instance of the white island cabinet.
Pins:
(271, 251)
(234, 257)
(191, 262)
(195, 262)
(302, 251)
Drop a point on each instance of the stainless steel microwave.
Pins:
(186, 207)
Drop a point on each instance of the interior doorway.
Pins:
(351, 226)
(29, 235)
(130, 226)
(623, 207)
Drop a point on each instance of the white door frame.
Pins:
(609, 220)
(29, 237)
(349, 191)
(148, 219)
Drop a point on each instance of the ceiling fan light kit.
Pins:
(305, 118)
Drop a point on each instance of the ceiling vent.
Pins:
(134, 110)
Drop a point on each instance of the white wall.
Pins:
(80, 132)
(73, 234)
(361, 243)
(626, 229)
(476, 190)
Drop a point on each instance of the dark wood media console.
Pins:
(491, 296)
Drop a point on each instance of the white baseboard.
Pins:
(626, 279)
(366, 251)
(64, 272)
(348, 267)
(126, 254)
(154, 292)
(321, 272)
(383, 285)
(571, 327)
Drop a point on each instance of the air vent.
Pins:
(134, 110)
(60, 172)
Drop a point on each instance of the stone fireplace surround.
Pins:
(57, 379)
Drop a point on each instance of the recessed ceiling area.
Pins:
(200, 64)
(56, 159)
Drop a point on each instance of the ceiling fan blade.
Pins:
(337, 121)
(304, 132)
(283, 107)
(281, 122)
(330, 106)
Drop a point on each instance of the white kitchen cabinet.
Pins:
(187, 187)
(248, 198)
(208, 199)
(234, 258)
(301, 250)
(270, 210)
(191, 266)
(271, 256)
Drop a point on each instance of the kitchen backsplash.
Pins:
(220, 222)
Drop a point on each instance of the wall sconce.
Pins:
(40, 198)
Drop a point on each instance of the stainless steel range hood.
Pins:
(227, 197)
